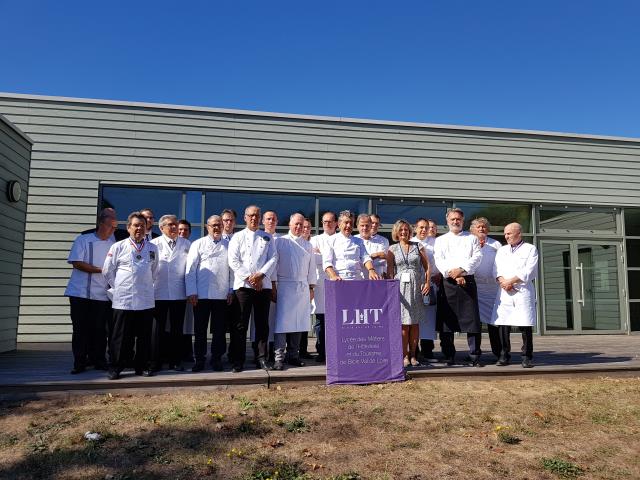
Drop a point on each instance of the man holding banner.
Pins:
(345, 255)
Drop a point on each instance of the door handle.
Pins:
(581, 299)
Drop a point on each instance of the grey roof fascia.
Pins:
(363, 121)
(6, 121)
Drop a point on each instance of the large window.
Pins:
(632, 246)
(498, 214)
(578, 220)
(410, 210)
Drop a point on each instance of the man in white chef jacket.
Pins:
(380, 264)
(170, 294)
(209, 283)
(296, 278)
(515, 268)
(425, 232)
(87, 292)
(130, 269)
(376, 250)
(346, 257)
(229, 217)
(253, 259)
(270, 222)
(485, 280)
(319, 244)
(457, 255)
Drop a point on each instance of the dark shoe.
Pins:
(474, 363)
(502, 362)
(198, 367)
(178, 368)
(321, 359)
(449, 361)
(148, 373)
(296, 362)
(217, 366)
(237, 369)
(429, 359)
(278, 365)
(306, 355)
(113, 375)
(263, 364)
(526, 363)
(76, 370)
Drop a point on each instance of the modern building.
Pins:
(15, 158)
(577, 196)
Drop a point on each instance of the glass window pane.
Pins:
(634, 284)
(573, 220)
(632, 221)
(558, 300)
(634, 309)
(391, 212)
(283, 204)
(193, 207)
(633, 253)
(337, 204)
(126, 200)
(498, 214)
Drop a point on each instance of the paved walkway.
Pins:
(45, 367)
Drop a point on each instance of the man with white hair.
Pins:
(296, 278)
(485, 280)
(457, 255)
(376, 249)
(379, 263)
(515, 268)
(170, 294)
(253, 259)
(209, 284)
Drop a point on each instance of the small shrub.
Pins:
(346, 476)
(506, 437)
(562, 468)
(297, 425)
(265, 468)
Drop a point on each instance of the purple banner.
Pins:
(363, 332)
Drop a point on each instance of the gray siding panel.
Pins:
(15, 155)
(80, 144)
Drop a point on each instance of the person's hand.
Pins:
(461, 281)
(455, 273)
(311, 294)
(426, 288)
(373, 275)
(229, 298)
(193, 300)
(274, 294)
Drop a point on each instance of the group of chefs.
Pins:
(137, 297)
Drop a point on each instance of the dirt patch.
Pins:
(517, 429)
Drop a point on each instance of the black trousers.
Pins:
(258, 302)
(216, 311)
(129, 328)
(166, 346)
(426, 347)
(90, 321)
(494, 339)
(449, 349)
(231, 318)
(503, 336)
(318, 327)
(304, 343)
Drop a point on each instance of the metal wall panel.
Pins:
(81, 143)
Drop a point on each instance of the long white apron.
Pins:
(293, 312)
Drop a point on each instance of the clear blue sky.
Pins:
(561, 65)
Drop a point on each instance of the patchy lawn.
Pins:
(515, 429)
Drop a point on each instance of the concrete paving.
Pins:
(45, 367)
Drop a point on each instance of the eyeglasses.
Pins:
(213, 225)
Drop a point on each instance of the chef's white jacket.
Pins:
(347, 255)
(207, 272)
(249, 253)
(88, 248)
(131, 274)
(457, 251)
(172, 262)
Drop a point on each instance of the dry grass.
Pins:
(512, 429)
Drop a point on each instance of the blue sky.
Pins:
(561, 65)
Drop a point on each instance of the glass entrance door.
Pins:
(581, 284)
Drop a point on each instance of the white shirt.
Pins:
(295, 260)
(373, 246)
(172, 262)
(207, 271)
(347, 255)
(319, 243)
(428, 243)
(380, 264)
(516, 307)
(457, 251)
(131, 273)
(88, 248)
(484, 272)
(249, 253)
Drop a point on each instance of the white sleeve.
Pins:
(529, 270)
(235, 260)
(111, 265)
(78, 250)
(475, 259)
